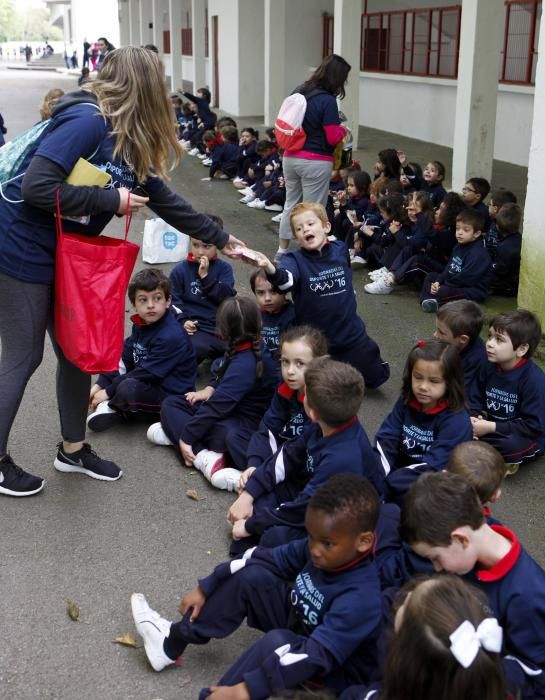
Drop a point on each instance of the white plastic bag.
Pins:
(163, 243)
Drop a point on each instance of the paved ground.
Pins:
(95, 543)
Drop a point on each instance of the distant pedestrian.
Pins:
(28, 53)
(86, 53)
(84, 77)
(104, 48)
(74, 60)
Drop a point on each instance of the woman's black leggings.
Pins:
(26, 313)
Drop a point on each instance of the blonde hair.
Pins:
(51, 98)
(131, 93)
(314, 207)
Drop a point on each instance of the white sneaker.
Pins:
(207, 161)
(277, 219)
(274, 207)
(256, 204)
(208, 462)
(103, 417)
(202, 156)
(186, 145)
(247, 190)
(157, 435)
(247, 198)
(377, 274)
(357, 262)
(153, 629)
(194, 152)
(236, 180)
(380, 286)
(226, 479)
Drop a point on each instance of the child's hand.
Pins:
(94, 389)
(241, 509)
(262, 261)
(204, 266)
(394, 227)
(250, 172)
(193, 397)
(187, 453)
(239, 530)
(230, 692)
(435, 287)
(191, 327)
(232, 247)
(357, 243)
(368, 230)
(482, 427)
(246, 474)
(194, 599)
(98, 397)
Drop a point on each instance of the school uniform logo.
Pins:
(416, 441)
(307, 599)
(455, 264)
(139, 353)
(328, 282)
(501, 404)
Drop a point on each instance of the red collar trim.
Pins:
(192, 259)
(243, 346)
(486, 511)
(504, 566)
(352, 563)
(413, 403)
(275, 313)
(344, 427)
(287, 393)
(139, 321)
(521, 362)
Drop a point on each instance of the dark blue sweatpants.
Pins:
(513, 448)
(206, 345)
(365, 357)
(133, 396)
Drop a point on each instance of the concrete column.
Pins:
(175, 25)
(532, 286)
(275, 87)
(481, 37)
(134, 24)
(346, 43)
(146, 18)
(199, 20)
(157, 19)
(124, 23)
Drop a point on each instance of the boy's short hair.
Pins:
(264, 145)
(481, 465)
(437, 504)
(262, 275)
(229, 133)
(334, 390)
(508, 218)
(480, 185)
(502, 196)
(521, 325)
(148, 280)
(225, 121)
(314, 207)
(350, 497)
(463, 317)
(473, 218)
(205, 93)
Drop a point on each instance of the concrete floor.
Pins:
(95, 543)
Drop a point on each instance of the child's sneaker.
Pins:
(377, 274)
(274, 207)
(430, 306)
(226, 479)
(86, 461)
(237, 179)
(223, 176)
(194, 152)
(247, 190)
(383, 285)
(208, 462)
(357, 262)
(153, 629)
(14, 481)
(206, 162)
(157, 435)
(103, 417)
(277, 219)
(256, 204)
(247, 198)
(202, 156)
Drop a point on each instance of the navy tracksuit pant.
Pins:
(133, 396)
(365, 357)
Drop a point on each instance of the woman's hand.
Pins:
(136, 201)
(232, 247)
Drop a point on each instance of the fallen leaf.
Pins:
(73, 610)
(127, 640)
(191, 493)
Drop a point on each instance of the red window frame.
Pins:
(509, 53)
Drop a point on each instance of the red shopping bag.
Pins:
(91, 279)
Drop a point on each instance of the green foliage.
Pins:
(7, 19)
(31, 25)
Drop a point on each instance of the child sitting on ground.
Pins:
(318, 602)
(460, 323)
(286, 416)
(247, 155)
(320, 280)
(497, 199)
(276, 494)
(445, 645)
(199, 285)
(468, 272)
(474, 192)
(506, 262)
(224, 157)
(428, 420)
(443, 520)
(277, 311)
(432, 182)
(206, 119)
(204, 425)
(353, 209)
(511, 416)
(268, 160)
(157, 360)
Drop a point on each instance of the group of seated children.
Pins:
(316, 522)
(406, 228)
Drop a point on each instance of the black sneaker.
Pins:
(86, 461)
(14, 481)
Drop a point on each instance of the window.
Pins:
(327, 36)
(519, 55)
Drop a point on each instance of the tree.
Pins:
(30, 25)
(7, 19)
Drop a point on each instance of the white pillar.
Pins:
(531, 288)
(275, 58)
(146, 18)
(157, 19)
(124, 23)
(199, 68)
(346, 43)
(175, 25)
(481, 37)
(134, 24)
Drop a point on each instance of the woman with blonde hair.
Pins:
(123, 124)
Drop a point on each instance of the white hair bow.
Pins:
(466, 641)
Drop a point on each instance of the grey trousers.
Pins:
(306, 181)
(26, 314)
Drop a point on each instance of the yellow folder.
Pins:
(84, 173)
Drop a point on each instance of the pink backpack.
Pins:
(288, 129)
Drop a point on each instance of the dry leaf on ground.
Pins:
(73, 610)
(127, 640)
(191, 493)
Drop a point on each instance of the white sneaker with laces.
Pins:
(377, 274)
(226, 479)
(357, 262)
(103, 417)
(157, 435)
(274, 207)
(247, 190)
(207, 161)
(202, 156)
(383, 285)
(247, 198)
(256, 204)
(153, 629)
(237, 180)
(277, 219)
(208, 462)
(194, 152)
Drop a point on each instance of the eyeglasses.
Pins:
(468, 189)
